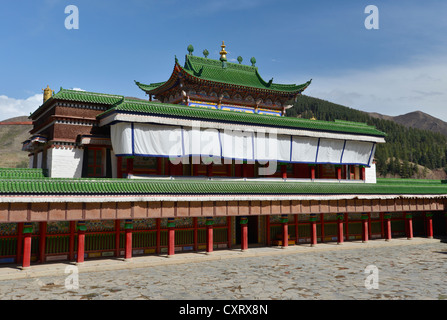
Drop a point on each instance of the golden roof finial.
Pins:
(223, 53)
(47, 93)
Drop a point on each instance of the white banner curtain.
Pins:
(144, 139)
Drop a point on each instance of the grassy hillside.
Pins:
(11, 138)
(407, 151)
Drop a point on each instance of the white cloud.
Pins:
(11, 107)
(392, 90)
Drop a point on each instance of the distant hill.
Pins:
(418, 120)
(11, 138)
(416, 145)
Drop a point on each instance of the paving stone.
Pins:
(405, 272)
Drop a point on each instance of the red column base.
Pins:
(26, 260)
(244, 237)
(410, 229)
(285, 236)
(128, 251)
(171, 242)
(81, 242)
(388, 230)
(365, 231)
(340, 239)
(313, 240)
(209, 239)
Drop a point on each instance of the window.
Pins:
(95, 163)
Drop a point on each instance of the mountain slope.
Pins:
(11, 138)
(407, 149)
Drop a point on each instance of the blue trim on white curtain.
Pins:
(253, 146)
(370, 155)
(342, 152)
(183, 141)
(133, 137)
(220, 142)
(318, 148)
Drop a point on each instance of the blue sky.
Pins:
(399, 68)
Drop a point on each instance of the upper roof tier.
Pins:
(222, 73)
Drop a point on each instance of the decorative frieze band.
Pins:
(60, 211)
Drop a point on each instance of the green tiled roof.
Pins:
(22, 173)
(82, 96)
(156, 108)
(149, 87)
(59, 186)
(236, 74)
(233, 74)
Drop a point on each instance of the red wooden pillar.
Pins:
(363, 173)
(128, 226)
(387, 217)
(365, 227)
(409, 219)
(340, 218)
(285, 231)
(313, 229)
(284, 171)
(338, 172)
(312, 172)
(81, 241)
(244, 233)
(42, 240)
(27, 231)
(171, 237)
(429, 217)
(209, 235)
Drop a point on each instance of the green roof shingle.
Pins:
(175, 110)
(81, 96)
(22, 173)
(16, 184)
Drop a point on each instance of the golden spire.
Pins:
(223, 53)
(47, 93)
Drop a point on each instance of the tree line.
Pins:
(405, 147)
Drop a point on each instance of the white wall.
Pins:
(65, 162)
(370, 174)
(31, 161)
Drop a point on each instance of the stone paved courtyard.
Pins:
(416, 271)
